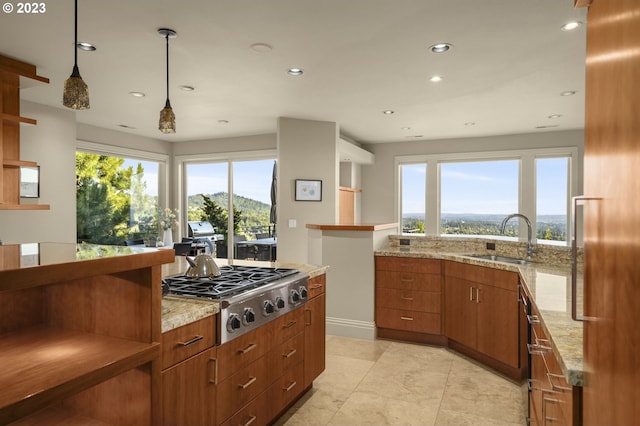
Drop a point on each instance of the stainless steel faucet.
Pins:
(530, 248)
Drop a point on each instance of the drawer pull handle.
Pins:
(215, 371)
(406, 280)
(291, 386)
(552, 376)
(535, 349)
(406, 318)
(291, 324)
(316, 286)
(251, 420)
(247, 349)
(406, 298)
(533, 319)
(190, 342)
(290, 354)
(248, 383)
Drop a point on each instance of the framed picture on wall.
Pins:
(308, 190)
(30, 182)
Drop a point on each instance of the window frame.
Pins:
(526, 182)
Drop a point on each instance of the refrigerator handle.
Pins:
(577, 201)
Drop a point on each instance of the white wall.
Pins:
(306, 150)
(378, 180)
(51, 143)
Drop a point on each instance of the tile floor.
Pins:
(390, 383)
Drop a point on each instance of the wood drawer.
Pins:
(317, 285)
(287, 326)
(182, 342)
(286, 389)
(409, 300)
(421, 322)
(408, 264)
(506, 280)
(241, 351)
(238, 390)
(285, 356)
(409, 280)
(257, 412)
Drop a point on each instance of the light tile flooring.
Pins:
(390, 383)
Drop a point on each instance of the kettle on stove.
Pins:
(202, 266)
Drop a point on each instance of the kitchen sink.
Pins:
(504, 259)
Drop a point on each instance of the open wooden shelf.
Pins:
(18, 163)
(43, 365)
(18, 119)
(25, 207)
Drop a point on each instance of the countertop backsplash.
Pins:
(546, 253)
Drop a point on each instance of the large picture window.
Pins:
(469, 194)
(116, 198)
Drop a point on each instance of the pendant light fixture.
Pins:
(167, 117)
(76, 92)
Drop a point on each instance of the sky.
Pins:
(487, 187)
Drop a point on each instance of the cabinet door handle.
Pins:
(291, 324)
(215, 371)
(477, 294)
(307, 320)
(406, 318)
(247, 349)
(290, 354)
(470, 294)
(252, 419)
(248, 383)
(291, 386)
(191, 341)
(574, 260)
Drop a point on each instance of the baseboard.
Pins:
(351, 328)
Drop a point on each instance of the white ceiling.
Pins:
(505, 73)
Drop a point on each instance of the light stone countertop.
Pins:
(178, 311)
(549, 288)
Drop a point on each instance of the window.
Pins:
(470, 194)
(552, 187)
(414, 181)
(208, 185)
(116, 198)
(476, 196)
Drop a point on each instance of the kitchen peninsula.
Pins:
(90, 339)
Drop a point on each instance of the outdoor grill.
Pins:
(204, 232)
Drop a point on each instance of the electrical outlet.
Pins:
(404, 241)
(491, 246)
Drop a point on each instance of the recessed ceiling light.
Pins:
(388, 112)
(137, 94)
(554, 116)
(187, 88)
(570, 26)
(435, 79)
(261, 47)
(405, 128)
(223, 121)
(440, 47)
(546, 127)
(414, 137)
(469, 123)
(295, 71)
(568, 93)
(82, 45)
(124, 126)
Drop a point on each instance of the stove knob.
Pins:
(303, 292)
(279, 303)
(233, 323)
(249, 316)
(268, 307)
(294, 297)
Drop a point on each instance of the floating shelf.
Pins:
(18, 119)
(18, 163)
(25, 207)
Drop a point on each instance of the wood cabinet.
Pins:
(80, 339)
(14, 75)
(551, 399)
(189, 376)
(315, 330)
(481, 313)
(408, 298)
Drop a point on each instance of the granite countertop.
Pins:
(549, 288)
(178, 311)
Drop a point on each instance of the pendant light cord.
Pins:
(75, 36)
(167, 38)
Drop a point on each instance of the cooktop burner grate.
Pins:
(233, 279)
